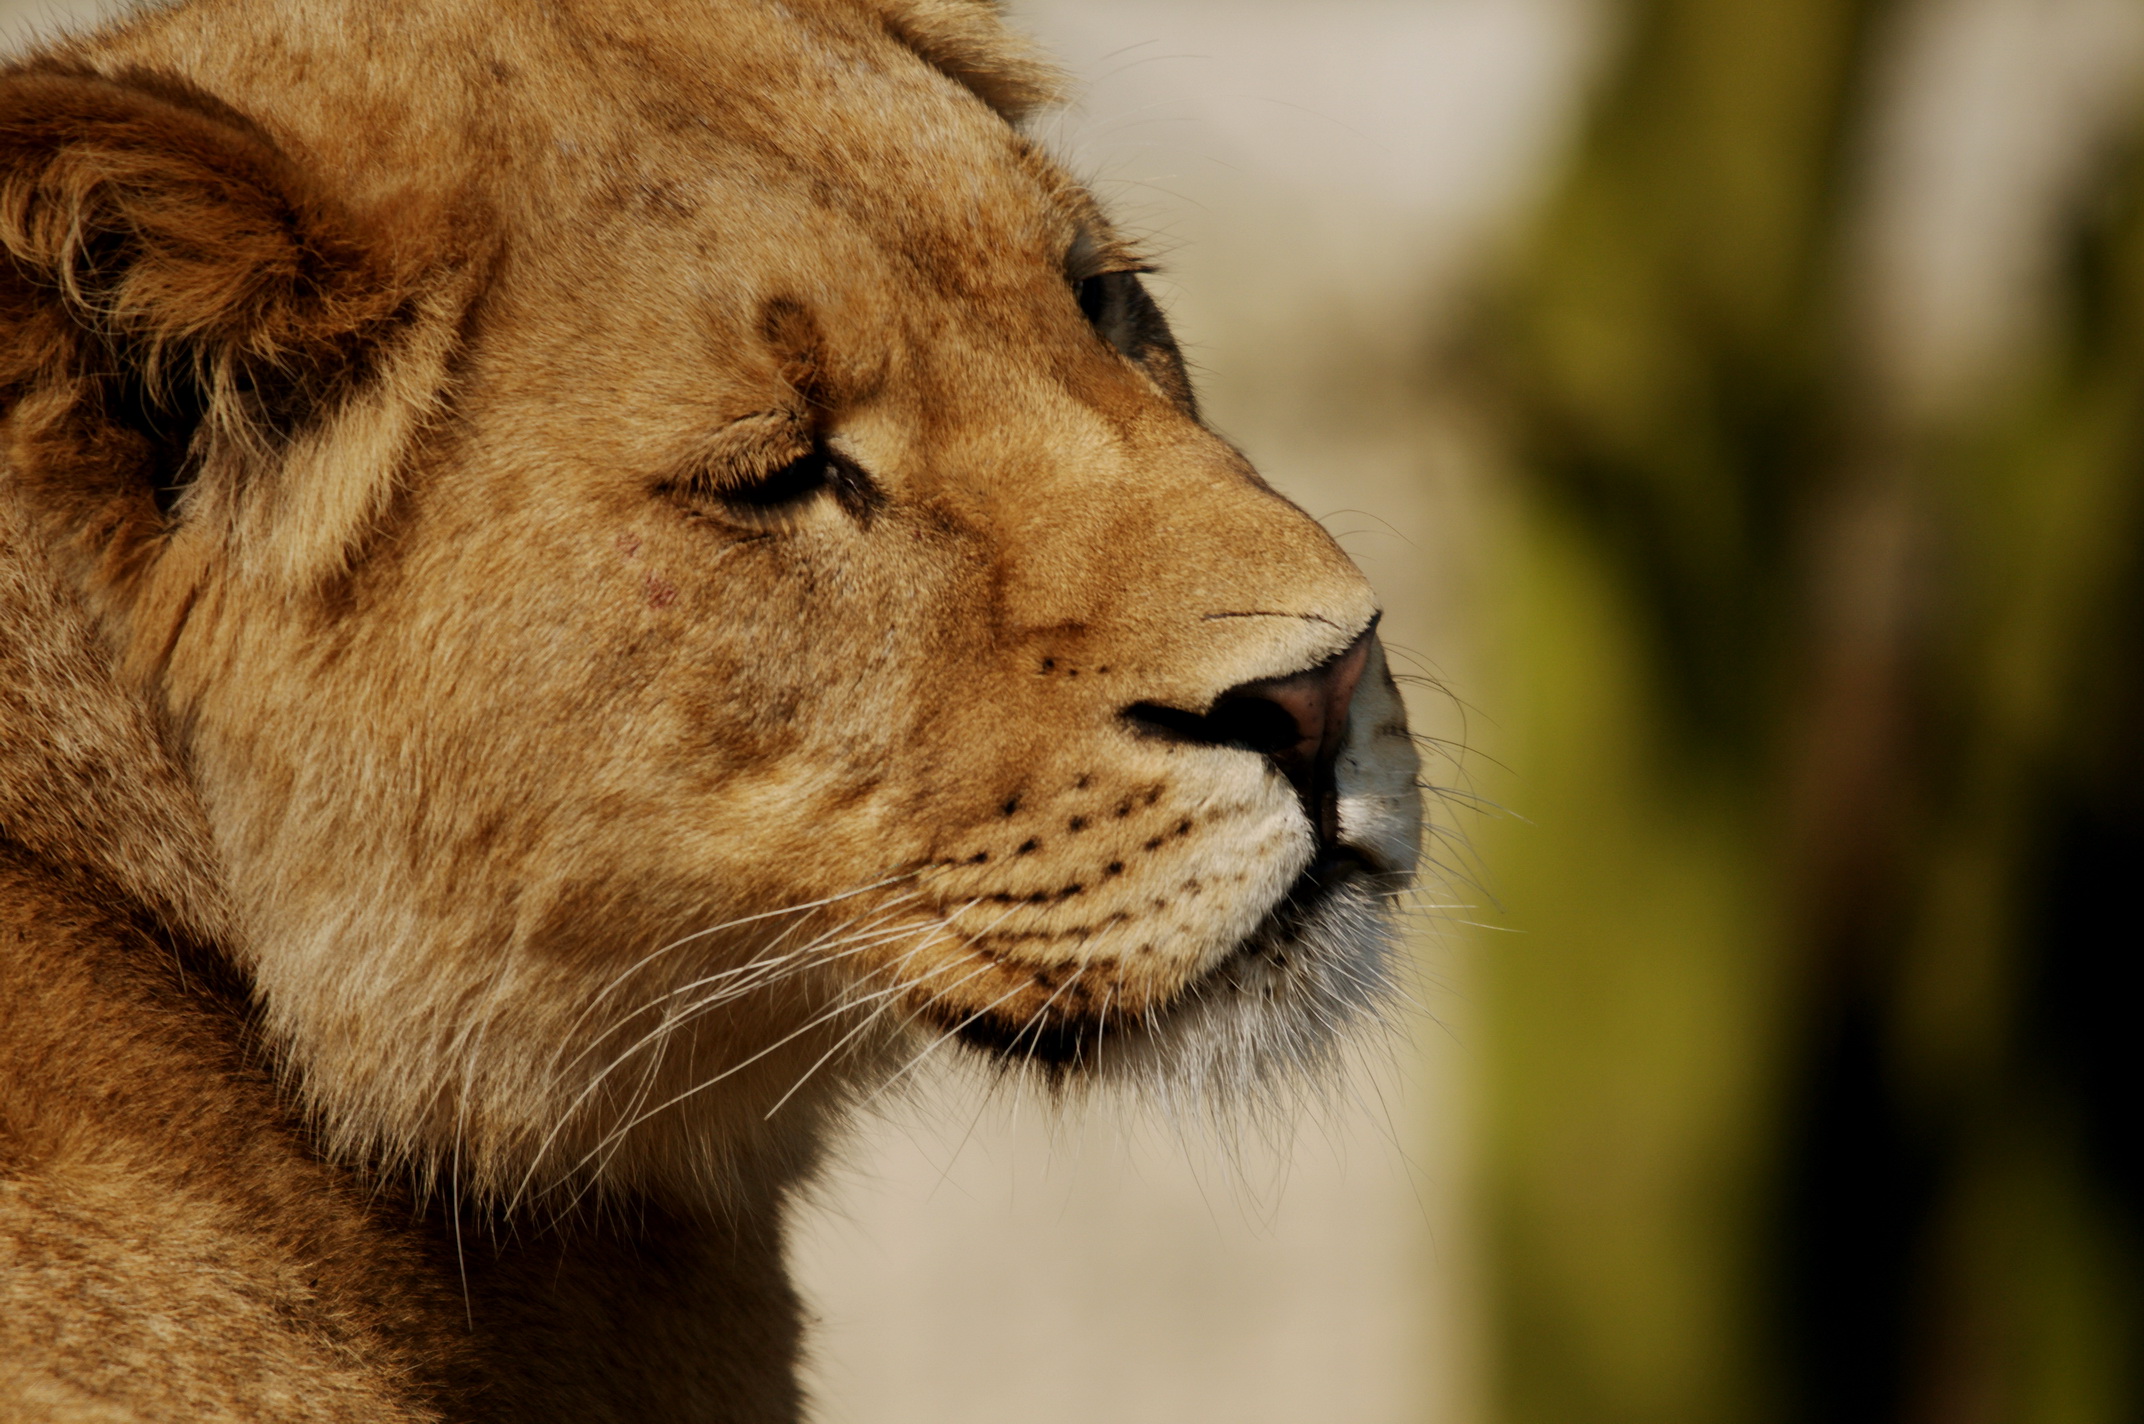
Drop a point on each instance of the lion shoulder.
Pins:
(153, 1197)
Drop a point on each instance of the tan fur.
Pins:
(460, 847)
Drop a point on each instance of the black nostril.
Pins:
(1257, 724)
(1297, 723)
(1250, 723)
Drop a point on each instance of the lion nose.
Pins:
(1296, 722)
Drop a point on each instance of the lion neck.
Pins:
(88, 782)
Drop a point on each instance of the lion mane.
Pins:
(581, 584)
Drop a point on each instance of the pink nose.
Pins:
(1297, 722)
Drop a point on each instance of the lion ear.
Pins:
(176, 290)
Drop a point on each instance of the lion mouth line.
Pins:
(1070, 1039)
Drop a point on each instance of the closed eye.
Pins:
(763, 493)
(798, 480)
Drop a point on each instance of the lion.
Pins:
(581, 584)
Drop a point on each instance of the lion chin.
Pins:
(603, 578)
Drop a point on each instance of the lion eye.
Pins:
(767, 498)
(799, 479)
(1113, 303)
(1117, 306)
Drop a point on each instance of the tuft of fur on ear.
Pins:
(175, 286)
(968, 40)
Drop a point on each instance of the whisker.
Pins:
(786, 965)
(1034, 1022)
(734, 1068)
(947, 1035)
(846, 1038)
(661, 1033)
(726, 926)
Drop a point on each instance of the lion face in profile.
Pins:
(685, 570)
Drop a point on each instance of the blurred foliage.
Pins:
(1675, 348)
(1811, 1087)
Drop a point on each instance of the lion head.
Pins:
(683, 569)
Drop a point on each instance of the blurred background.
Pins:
(1740, 406)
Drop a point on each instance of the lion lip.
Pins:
(1335, 863)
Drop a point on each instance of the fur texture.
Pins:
(579, 586)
